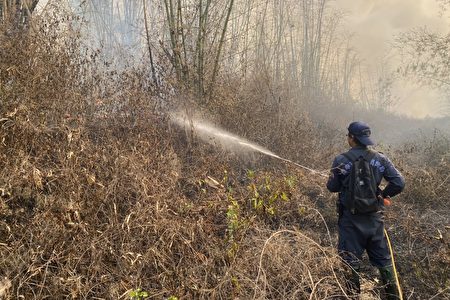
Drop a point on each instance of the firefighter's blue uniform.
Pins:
(363, 232)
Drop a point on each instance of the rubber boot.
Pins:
(353, 285)
(390, 285)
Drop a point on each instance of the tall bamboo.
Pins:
(222, 38)
(168, 4)
(152, 66)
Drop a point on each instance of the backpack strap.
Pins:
(369, 155)
(350, 156)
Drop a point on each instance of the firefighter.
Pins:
(364, 231)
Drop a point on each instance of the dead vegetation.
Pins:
(100, 196)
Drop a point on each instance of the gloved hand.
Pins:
(386, 200)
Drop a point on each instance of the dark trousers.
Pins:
(363, 232)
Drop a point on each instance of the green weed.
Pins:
(138, 294)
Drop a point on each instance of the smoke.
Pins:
(375, 24)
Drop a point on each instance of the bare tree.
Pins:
(219, 50)
(293, 47)
(174, 37)
(203, 10)
(152, 66)
(17, 11)
(426, 59)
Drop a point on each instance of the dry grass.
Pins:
(100, 196)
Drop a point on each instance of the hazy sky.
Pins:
(375, 23)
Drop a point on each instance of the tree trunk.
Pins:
(200, 48)
(222, 38)
(152, 66)
(168, 4)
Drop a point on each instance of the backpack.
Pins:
(361, 186)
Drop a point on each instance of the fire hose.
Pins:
(387, 202)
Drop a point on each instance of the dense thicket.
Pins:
(102, 195)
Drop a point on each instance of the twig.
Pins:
(273, 235)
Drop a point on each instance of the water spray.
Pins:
(209, 133)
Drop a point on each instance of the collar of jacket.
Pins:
(360, 147)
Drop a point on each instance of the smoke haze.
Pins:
(375, 24)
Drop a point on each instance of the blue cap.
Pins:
(361, 131)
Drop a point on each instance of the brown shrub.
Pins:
(100, 196)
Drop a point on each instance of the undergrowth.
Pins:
(102, 197)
